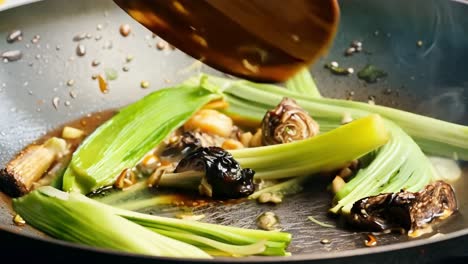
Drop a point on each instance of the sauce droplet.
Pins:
(103, 87)
(371, 241)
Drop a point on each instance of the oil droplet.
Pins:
(26, 83)
(15, 35)
(89, 36)
(11, 55)
(325, 241)
(3, 133)
(161, 45)
(55, 102)
(38, 56)
(70, 82)
(72, 94)
(67, 103)
(80, 50)
(125, 68)
(79, 37)
(125, 30)
(95, 63)
(98, 37)
(99, 27)
(35, 39)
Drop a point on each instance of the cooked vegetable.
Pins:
(371, 74)
(328, 151)
(268, 221)
(18, 177)
(287, 122)
(186, 143)
(412, 211)
(123, 140)
(71, 217)
(290, 186)
(315, 221)
(446, 169)
(211, 122)
(71, 133)
(74, 217)
(303, 83)
(223, 177)
(400, 164)
(249, 101)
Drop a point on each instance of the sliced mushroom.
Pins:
(288, 122)
(407, 210)
(224, 178)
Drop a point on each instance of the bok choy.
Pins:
(123, 140)
(77, 218)
(400, 164)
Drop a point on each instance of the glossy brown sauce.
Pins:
(263, 40)
(87, 123)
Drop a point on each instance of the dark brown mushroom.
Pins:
(186, 143)
(224, 178)
(288, 122)
(407, 210)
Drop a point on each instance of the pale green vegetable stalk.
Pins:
(400, 164)
(403, 168)
(71, 218)
(303, 83)
(250, 100)
(124, 139)
(77, 218)
(326, 152)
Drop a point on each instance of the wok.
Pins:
(429, 79)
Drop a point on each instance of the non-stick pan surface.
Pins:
(36, 96)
